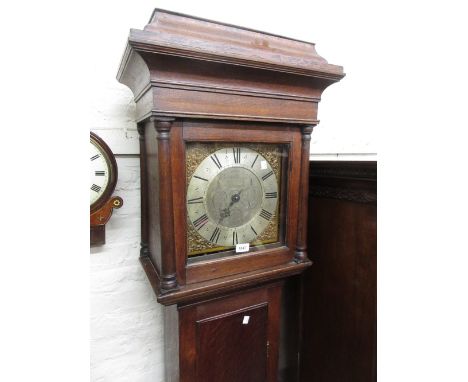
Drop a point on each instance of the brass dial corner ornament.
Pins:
(103, 178)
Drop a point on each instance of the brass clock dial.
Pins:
(232, 196)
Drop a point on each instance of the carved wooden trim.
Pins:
(326, 179)
(357, 196)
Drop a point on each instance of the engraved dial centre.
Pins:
(234, 197)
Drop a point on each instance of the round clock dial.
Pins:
(103, 172)
(232, 196)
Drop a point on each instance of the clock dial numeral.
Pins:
(195, 200)
(215, 235)
(216, 161)
(99, 173)
(95, 188)
(236, 151)
(95, 156)
(200, 222)
(255, 232)
(254, 161)
(199, 177)
(266, 176)
(265, 214)
(234, 238)
(271, 195)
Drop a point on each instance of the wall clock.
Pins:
(225, 115)
(103, 178)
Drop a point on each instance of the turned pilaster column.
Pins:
(301, 244)
(168, 268)
(144, 250)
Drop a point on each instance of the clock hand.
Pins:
(226, 211)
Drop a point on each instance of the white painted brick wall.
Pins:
(126, 321)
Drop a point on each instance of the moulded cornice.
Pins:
(185, 36)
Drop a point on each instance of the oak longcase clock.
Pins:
(225, 116)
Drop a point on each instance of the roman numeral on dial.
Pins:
(236, 151)
(99, 173)
(265, 214)
(254, 161)
(95, 188)
(216, 161)
(255, 232)
(266, 176)
(234, 238)
(200, 222)
(195, 200)
(271, 195)
(215, 235)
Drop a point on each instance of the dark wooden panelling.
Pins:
(339, 299)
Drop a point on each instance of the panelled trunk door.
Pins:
(231, 339)
(233, 348)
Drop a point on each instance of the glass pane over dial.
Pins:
(99, 172)
(232, 197)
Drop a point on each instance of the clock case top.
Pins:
(200, 80)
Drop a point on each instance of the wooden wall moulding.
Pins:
(225, 116)
(351, 181)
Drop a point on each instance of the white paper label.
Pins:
(246, 320)
(263, 164)
(242, 247)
